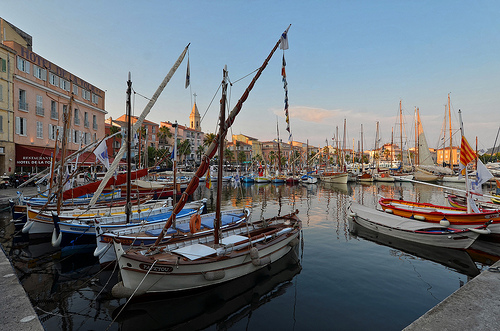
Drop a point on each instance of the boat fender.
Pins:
(195, 223)
(419, 217)
(27, 226)
(444, 222)
(56, 239)
(98, 251)
(480, 231)
(262, 261)
(353, 214)
(214, 275)
(389, 211)
(254, 253)
(293, 242)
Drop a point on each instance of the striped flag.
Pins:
(467, 154)
(208, 179)
(188, 76)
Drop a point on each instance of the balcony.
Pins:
(95, 126)
(86, 124)
(77, 121)
(40, 111)
(23, 105)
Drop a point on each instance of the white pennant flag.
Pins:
(483, 174)
(101, 153)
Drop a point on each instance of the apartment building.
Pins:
(7, 146)
(42, 93)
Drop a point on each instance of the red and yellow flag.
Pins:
(208, 180)
(467, 154)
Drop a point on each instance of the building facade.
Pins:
(7, 146)
(42, 92)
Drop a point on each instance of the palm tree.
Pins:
(241, 157)
(200, 151)
(228, 155)
(163, 134)
(184, 148)
(208, 139)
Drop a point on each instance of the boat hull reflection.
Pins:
(221, 304)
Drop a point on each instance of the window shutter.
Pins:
(44, 74)
(27, 67)
(18, 124)
(4, 65)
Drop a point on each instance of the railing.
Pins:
(77, 121)
(40, 111)
(95, 126)
(23, 105)
(86, 124)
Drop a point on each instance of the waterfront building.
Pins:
(42, 92)
(7, 146)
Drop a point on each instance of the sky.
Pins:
(348, 61)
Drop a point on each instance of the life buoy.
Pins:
(195, 223)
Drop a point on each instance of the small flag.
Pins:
(466, 156)
(482, 173)
(172, 155)
(284, 40)
(188, 75)
(283, 73)
(208, 180)
(101, 153)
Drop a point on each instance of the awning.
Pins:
(34, 156)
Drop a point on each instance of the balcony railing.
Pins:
(77, 121)
(40, 111)
(86, 124)
(23, 105)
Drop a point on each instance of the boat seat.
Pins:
(184, 227)
(225, 220)
(156, 232)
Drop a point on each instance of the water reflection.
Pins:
(222, 306)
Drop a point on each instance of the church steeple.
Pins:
(194, 117)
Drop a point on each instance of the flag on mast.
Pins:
(467, 154)
(188, 75)
(284, 39)
(101, 153)
(208, 180)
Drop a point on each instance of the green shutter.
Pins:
(4, 65)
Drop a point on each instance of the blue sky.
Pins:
(352, 60)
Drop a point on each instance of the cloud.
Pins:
(310, 114)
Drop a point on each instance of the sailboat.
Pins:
(279, 178)
(422, 154)
(401, 174)
(341, 176)
(377, 174)
(218, 256)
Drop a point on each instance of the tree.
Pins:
(241, 157)
(200, 151)
(163, 134)
(272, 157)
(208, 139)
(228, 155)
(184, 148)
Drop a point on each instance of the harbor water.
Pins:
(339, 278)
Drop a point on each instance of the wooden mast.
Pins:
(128, 206)
(222, 135)
(66, 119)
(451, 134)
(401, 133)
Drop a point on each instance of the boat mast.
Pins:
(174, 165)
(362, 151)
(222, 135)
(451, 144)
(401, 132)
(128, 206)
(467, 193)
(66, 119)
(344, 167)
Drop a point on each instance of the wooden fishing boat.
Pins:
(220, 255)
(146, 234)
(334, 177)
(457, 217)
(413, 230)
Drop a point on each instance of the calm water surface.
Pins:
(343, 281)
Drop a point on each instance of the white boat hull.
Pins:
(406, 229)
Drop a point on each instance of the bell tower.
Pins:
(194, 117)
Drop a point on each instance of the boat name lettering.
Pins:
(493, 215)
(155, 268)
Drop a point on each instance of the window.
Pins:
(95, 137)
(64, 84)
(153, 137)
(53, 110)
(39, 130)
(75, 89)
(95, 98)
(77, 117)
(39, 73)
(21, 126)
(86, 120)
(59, 132)
(76, 136)
(86, 94)
(22, 100)
(52, 132)
(39, 105)
(153, 129)
(87, 138)
(23, 65)
(1, 92)
(1, 124)
(94, 122)
(53, 79)
(3, 65)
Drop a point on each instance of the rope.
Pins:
(133, 293)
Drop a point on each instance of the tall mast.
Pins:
(66, 118)
(344, 168)
(451, 144)
(128, 206)
(401, 132)
(222, 135)
(362, 151)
